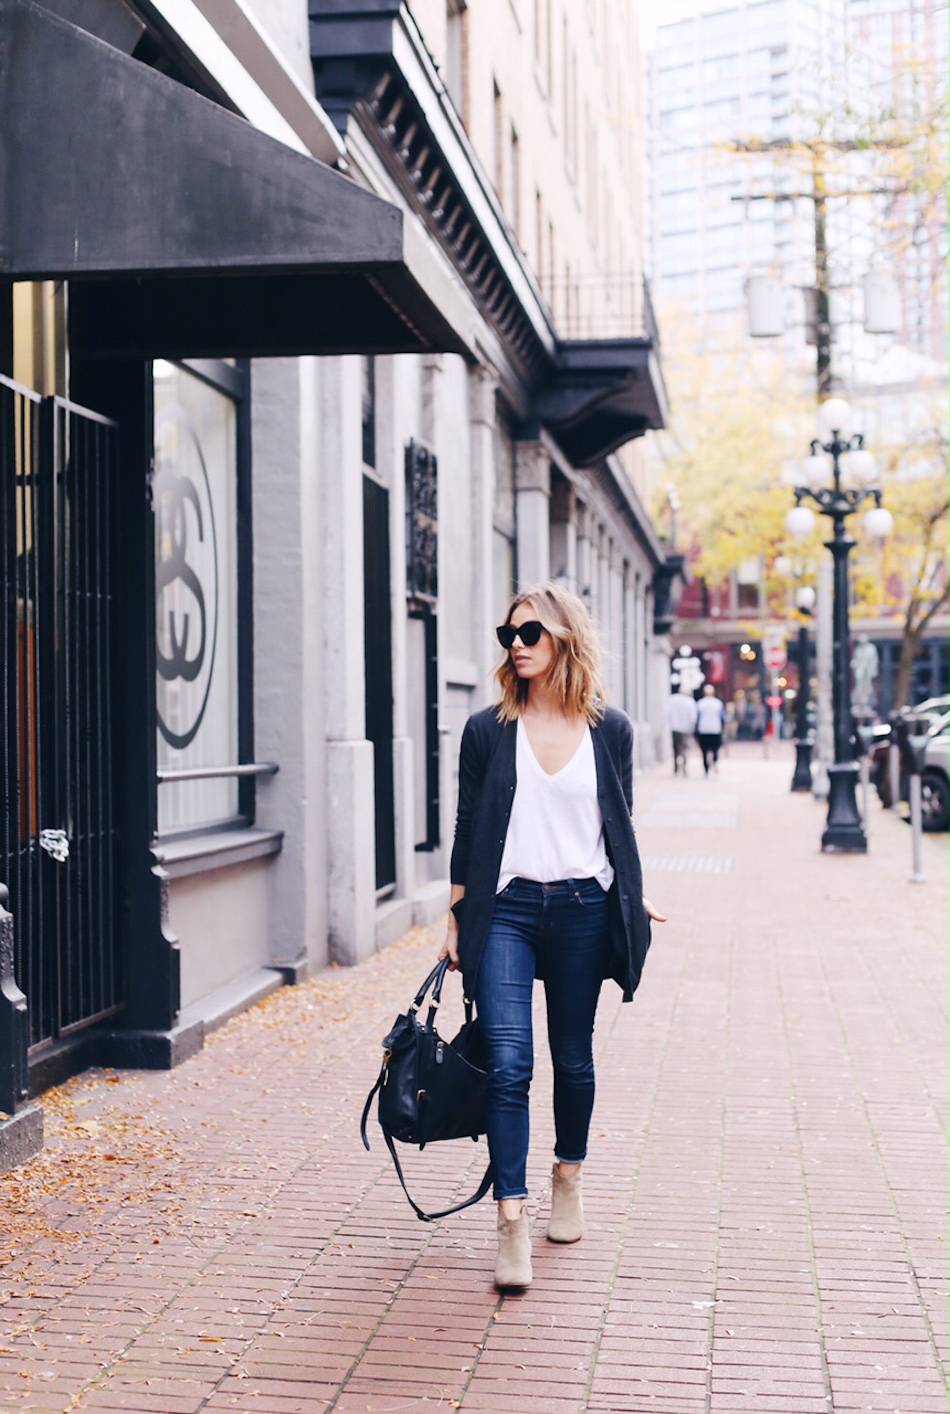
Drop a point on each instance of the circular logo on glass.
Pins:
(186, 578)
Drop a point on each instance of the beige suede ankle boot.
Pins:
(513, 1264)
(566, 1223)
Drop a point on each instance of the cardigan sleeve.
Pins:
(470, 779)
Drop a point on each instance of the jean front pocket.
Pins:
(588, 893)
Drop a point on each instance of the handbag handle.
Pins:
(435, 980)
(433, 977)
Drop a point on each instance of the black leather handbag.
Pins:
(430, 1089)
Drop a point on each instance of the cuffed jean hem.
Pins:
(503, 1197)
(560, 1159)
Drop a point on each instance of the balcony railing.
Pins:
(602, 306)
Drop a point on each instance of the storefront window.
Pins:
(196, 598)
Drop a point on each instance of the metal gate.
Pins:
(58, 466)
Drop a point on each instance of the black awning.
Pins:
(603, 392)
(183, 229)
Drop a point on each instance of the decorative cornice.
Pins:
(372, 68)
(370, 64)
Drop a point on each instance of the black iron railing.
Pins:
(612, 305)
(58, 469)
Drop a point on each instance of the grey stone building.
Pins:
(277, 441)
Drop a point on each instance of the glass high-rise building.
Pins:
(775, 71)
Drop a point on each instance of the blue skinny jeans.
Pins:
(560, 932)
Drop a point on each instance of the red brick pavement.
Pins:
(765, 1189)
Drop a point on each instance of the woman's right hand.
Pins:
(450, 948)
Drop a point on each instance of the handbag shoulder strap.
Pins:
(476, 1197)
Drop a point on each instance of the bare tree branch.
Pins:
(936, 604)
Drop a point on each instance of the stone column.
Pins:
(349, 801)
(639, 650)
(564, 532)
(483, 387)
(630, 644)
(593, 566)
(656, 681)
(616, 621)
(603, 586)
(532, 495)
(288, 676)
(394, 426)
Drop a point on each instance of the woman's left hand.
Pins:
(653, 913)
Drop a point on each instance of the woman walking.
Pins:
(546, 883)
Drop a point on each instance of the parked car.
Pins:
(934, 708)
(935, 780)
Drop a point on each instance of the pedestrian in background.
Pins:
(681, 719)
(546, 882)
(710, 715)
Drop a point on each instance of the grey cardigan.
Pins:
(487, 778)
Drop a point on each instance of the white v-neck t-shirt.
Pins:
(556, 830)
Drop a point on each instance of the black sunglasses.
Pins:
(529, 633)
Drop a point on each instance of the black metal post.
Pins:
(801, 780)
(844, 831)
(14, 1022)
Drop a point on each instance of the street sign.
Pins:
(689, 669)
(774, 651)
(690, 673)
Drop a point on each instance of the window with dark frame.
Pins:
(368, 364)
(498, 141)
(422, 589)
(202, 516)
(513, 202)
(456, 45)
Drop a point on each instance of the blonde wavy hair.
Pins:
(575, 672)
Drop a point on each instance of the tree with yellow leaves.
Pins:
(738, 421)
(741, 427)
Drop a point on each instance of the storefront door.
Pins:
(58, 477)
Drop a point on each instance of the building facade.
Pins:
(334, 361)
(773, 72)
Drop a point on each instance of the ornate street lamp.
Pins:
(850, 463)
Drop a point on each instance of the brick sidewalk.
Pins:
(765, 1188)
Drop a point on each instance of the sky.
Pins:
(653, 11)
